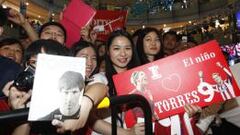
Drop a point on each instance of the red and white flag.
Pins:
(106, 21)
(199, 76)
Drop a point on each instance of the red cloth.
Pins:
(76, 15)
(4, 105)
(111, 20)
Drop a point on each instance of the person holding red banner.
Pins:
(87, 50)
(120, 56)
(85, 33)
(209, 117)
(150, 47)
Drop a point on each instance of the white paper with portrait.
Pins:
(46, 94)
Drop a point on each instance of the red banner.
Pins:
(76, 15)
(198, 76)
(106, 21)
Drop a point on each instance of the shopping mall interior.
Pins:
(175, 59)
(180, 15)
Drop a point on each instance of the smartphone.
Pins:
(184, 39)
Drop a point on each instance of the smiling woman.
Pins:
(149, 45)
(12, 49)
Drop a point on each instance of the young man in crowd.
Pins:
(54, 31)
(170, 42)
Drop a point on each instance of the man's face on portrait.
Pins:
(143, 79)
(70, 101)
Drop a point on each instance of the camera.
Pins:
(24, 80)
(184, 39)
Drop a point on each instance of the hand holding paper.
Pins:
(75, 124)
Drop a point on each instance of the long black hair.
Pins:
(81, 44)
(140, 45)
(110, 70)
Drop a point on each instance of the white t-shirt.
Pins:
(98, 78)
(101, 78)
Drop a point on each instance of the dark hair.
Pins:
(172, 33)
(71, 79)
(81, 44)
(137, 32)
(50, 47)
(140, 45)
(3, 16)
(191, 39)
(99, 47)
(110, 71)
(54, 24)
(11, 41)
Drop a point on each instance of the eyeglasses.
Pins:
(32, 63)
(50, 33)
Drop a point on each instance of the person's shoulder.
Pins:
(8, 71)
(9, 64)
(98, 78)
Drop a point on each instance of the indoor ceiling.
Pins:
(40, 9)
(33, 10)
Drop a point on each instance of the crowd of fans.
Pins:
(121, 52)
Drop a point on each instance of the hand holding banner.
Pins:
(106, 21)
(197, 76)
(76, 15)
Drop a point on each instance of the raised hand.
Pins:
(138, 129)
(192, 110)
(16, 17)
(84, 32)
(75, 124)
(68, 125)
